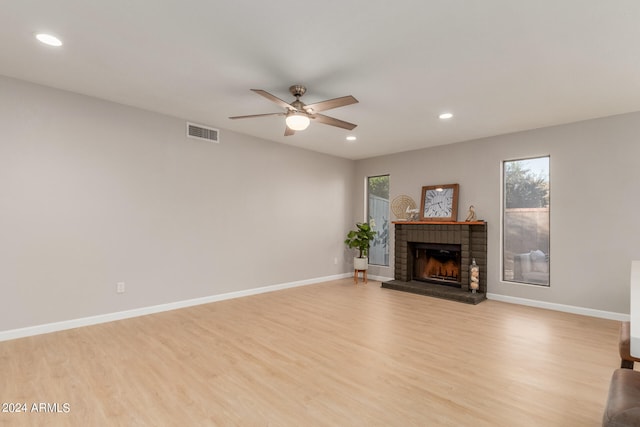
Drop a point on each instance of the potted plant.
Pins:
(360, 239)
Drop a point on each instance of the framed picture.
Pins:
(439, 203)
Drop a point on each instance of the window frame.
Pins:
(378, 227)
(503, 271)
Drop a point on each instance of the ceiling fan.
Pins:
(298, 115)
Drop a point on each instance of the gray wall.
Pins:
(93, 193)
(595, 201)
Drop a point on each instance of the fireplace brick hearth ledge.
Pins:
(470, 236)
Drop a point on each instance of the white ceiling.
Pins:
(499, 65)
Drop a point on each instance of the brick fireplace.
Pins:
(433, 258)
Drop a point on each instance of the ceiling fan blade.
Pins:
(273, 98)
(257, 115)
(288, 131)
(331, 103)
(333, 122)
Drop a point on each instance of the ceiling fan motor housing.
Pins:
(299, 106)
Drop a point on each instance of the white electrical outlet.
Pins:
(120, 288)
(335, 260)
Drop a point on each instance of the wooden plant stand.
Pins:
(355, 275)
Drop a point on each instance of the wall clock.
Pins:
(439, 203)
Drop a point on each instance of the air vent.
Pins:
(202, 132)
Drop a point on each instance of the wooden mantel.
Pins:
(441, 222)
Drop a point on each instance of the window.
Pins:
(378, 214)
(525, 221)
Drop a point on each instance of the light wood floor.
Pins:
(331, 354)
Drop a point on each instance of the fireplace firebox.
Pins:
(436, 263)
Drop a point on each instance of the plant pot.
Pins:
(360, 263)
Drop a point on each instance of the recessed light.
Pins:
(351, 138)
(48, 39)
(445, 116)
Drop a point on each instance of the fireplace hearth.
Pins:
(432, 258)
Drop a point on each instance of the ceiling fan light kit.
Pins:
(298, 115)
(297, 121)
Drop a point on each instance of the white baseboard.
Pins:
(110, 317)
(560, 307)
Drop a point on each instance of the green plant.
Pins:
(361, 238)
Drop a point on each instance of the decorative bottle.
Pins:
(474, 276)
